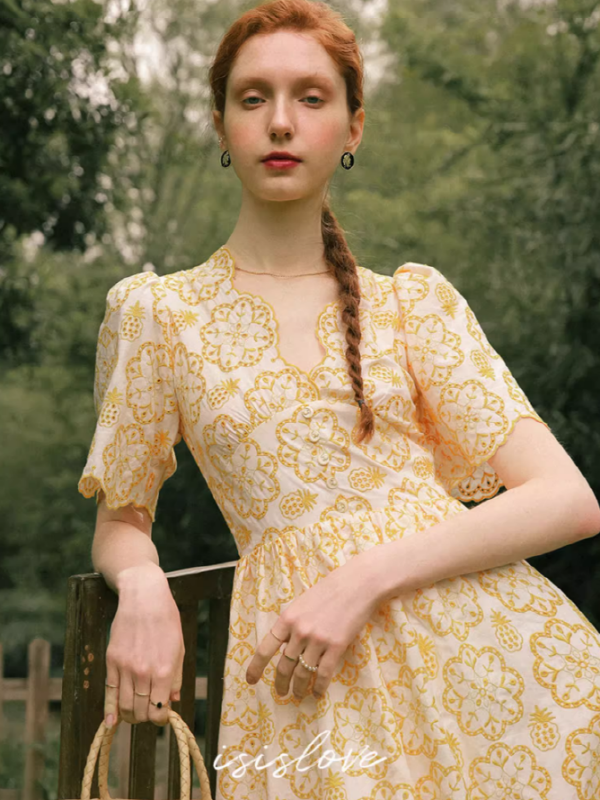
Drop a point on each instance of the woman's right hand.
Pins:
(146, 649)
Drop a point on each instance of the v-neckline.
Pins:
(232, 288)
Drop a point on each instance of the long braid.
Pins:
(339, 256)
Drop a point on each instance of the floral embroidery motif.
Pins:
(416, 706)
(245, 472)
(521, 588)
(568, 663)
(435, 350)
(581, 767)
(365, 718)
(475, 415)
(314, 447)
(508, 773)
(449, 607)
(482, 691)
(239, 333)
(190, 383)
(150, 393)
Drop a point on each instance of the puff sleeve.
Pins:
(467, 399)
(131, 453)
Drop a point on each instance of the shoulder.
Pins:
(413, 271)
(133, 288)
(409, 284)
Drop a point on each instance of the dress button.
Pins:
(314, 436)
(331, 482)
(307, 412)
(323, 458)
(341, 506)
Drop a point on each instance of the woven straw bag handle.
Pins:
(186, 743)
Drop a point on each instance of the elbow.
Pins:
(587, 512)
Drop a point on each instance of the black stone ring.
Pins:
(159, 704)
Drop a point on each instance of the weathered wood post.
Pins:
(36, 716)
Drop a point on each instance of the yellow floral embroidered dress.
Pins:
(484, 686)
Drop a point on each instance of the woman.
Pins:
(339, 416)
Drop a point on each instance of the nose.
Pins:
(282, 122)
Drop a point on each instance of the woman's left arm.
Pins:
(548, 505)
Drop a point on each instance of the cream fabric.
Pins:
(482, 686)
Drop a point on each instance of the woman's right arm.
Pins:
(146, 647)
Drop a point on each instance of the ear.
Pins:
(218, 123)
(357, 124)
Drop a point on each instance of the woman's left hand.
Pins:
(320, 623)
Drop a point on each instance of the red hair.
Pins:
(329, 29)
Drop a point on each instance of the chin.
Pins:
(280, 194)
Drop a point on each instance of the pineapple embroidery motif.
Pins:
(132, 322)
(544, 731)
(364, 480)
(183, 319)
(296, 503)
(110, 408)
(448, 298)
(220, 394)
(334, 787)
(507, 635)
(482, 364)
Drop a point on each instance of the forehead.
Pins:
(282, 56)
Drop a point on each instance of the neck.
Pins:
(283, 237)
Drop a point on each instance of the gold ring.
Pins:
(277, 637)
(142, 694)
(112, 686)
(290, 658)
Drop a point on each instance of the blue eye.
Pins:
(308, 97)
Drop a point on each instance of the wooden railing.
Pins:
(91, 606)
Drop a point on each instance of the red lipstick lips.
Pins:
(280, 159)
(281, 155)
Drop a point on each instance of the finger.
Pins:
(159, 693)
(264, 653)
(302, 675)
(141, 696)
(111, 695)
(175, 694)
(126, 697)
(328, 664)
(284, 671)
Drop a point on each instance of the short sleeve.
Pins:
(468, 400)
(131, 454)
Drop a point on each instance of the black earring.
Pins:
(347, 160)
(225, 158)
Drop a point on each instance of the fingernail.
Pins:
(110, 721)
(177, 696)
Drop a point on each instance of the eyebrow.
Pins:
(259, 80)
